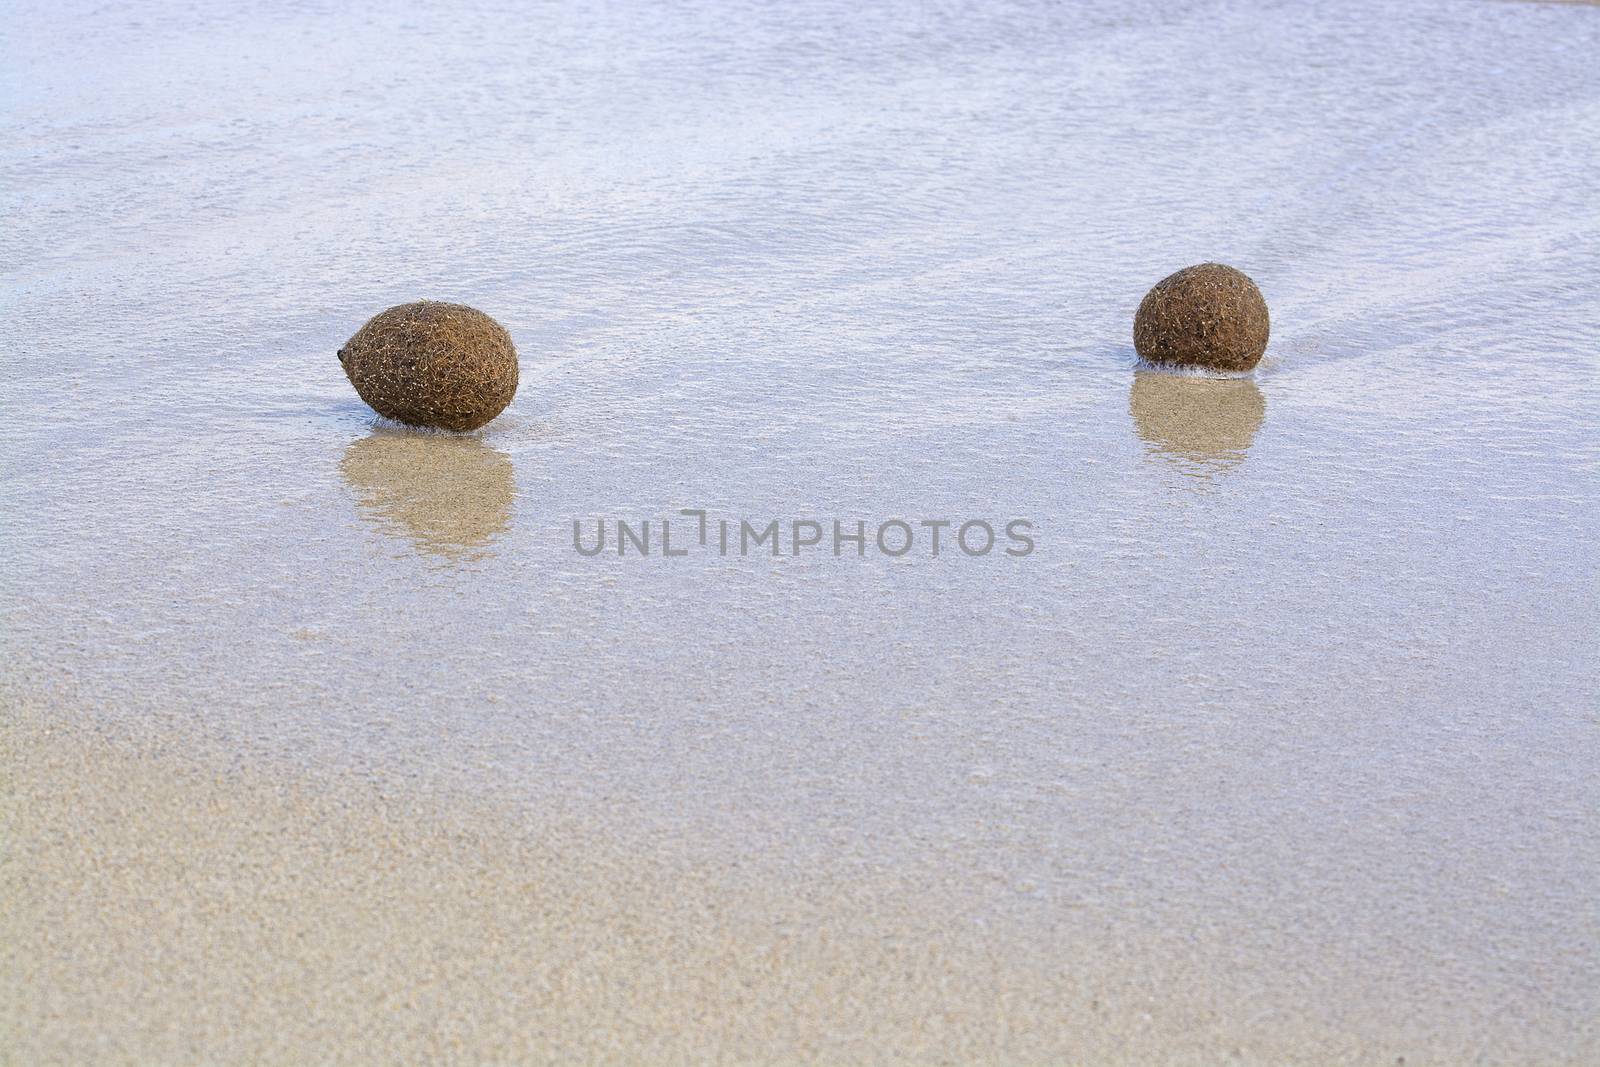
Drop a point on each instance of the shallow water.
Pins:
(1303, 664)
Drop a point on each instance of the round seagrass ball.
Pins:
(447, 366)
(1208, 315)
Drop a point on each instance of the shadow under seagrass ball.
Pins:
(434, 364)
(1208, 315)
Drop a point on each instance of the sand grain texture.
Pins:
(166, 908)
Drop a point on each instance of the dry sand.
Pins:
(168, 906)
(164, 907)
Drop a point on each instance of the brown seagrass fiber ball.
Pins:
(447, 366)
(1209, 316)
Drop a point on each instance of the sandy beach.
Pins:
(166, 905)
(320, 741)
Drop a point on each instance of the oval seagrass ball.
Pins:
(434, 364)
(1208, 315)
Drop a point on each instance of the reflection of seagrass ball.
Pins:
(1208, 316)
(433, 364)
(1206, 424)
(449, 496)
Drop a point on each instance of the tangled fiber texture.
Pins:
(434, 364)
(1208, 315)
